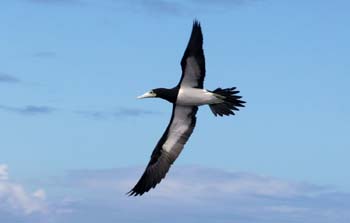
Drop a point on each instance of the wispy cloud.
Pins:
(56, 1)
(198, 193)
(15, 199)
(222, 2)
(7, 78)
(132, 112)
(202, 193)
(28, 110)
(3, 172)
(94, 114)
(190, 181)
(160, 7)
(185, 7)
(120, 112)
(45, 54)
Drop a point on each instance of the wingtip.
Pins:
(196, 22)
(131, 193)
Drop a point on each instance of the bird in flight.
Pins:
(186, 96)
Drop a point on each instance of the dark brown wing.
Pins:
(193, 61)
(168, 148)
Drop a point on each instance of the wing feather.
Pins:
(193, 61)
(168, 148)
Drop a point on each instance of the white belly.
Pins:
(195, 97)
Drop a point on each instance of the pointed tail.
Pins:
(231, 102)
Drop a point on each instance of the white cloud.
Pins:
(203, 194)
(190, 181)
(197, 193)
(40, 194)
(14, 198)
(3, 172)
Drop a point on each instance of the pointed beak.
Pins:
(147, 95)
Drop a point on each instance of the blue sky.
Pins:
(70, 71)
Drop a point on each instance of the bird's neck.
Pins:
(169, 94)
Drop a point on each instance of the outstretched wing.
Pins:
(168, 148)
(193, 62)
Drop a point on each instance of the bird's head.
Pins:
(149, 94)
(166, 94)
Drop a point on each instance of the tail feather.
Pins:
(231, 101)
